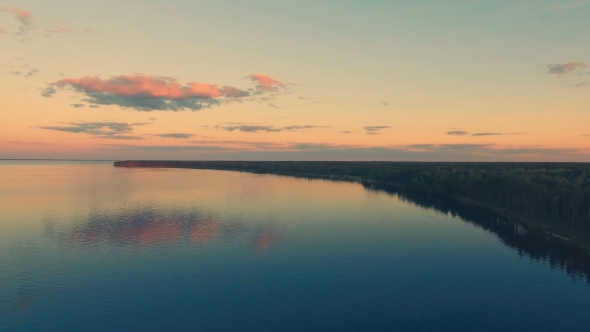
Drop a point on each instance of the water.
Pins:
(90, 247)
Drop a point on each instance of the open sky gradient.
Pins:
(427, 80)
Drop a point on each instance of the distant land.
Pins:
(551, 197)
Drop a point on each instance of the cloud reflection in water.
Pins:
(265, 239)
(149, 226)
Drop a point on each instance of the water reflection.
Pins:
(527, 241)
(266, 238)
(25, 298)
(147, 226)
(204, 232)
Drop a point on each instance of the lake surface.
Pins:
(91, 247)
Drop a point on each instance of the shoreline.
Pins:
(562, 233)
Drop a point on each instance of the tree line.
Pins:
(557, 193)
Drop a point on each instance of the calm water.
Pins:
(90, 247)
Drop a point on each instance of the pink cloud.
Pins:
(24, 16)
(265, 83)
(142, 86)
(26, 22)
(562, 69)
(144, 92)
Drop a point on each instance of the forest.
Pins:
(555, 194)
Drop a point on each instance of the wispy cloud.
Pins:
(373, 130)
(562, 69)
(458, 132)
(31, 72)
(488, 134)
(174, 135)
(48, 92)
(265, 82)
(236, 150)
(56, 27)
(466, 133)
(26, 74)
(27, 24)
(263, 128)
(23, 16)
(110, 130)
(579, 85)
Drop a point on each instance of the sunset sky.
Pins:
(424, 80)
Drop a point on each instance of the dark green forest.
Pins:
(552, 193)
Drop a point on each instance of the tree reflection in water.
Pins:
(525, 240)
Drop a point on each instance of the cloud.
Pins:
(465, 133)
(495, 134)
(49, 91)
(55, 27)
(231, 92)
(273, 106)
(15, 72)
(77, 105)
(235, 150)
(251, 128)
(257, 128)
(446, 147)
(110, 130)
(290, 128)
(372, 130)
(458, 133)
(265, 83)
(242, 144)
(174, 135)
(24, 16)
(487, 134)
(27, 25)
(346, 132)
(31, 72)
(579, 85)
(148, 93)
(123, 137)
(562, 69)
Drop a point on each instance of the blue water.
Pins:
(90, 247)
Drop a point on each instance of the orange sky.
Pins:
(308, 80)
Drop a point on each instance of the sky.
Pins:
(399, 80)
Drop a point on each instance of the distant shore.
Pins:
(551, 197)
